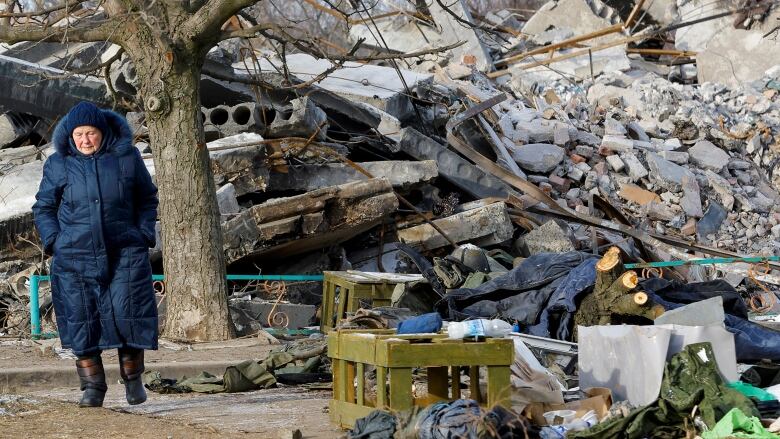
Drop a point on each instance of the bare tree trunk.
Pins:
(194, 259)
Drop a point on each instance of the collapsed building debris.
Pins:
(516, 177)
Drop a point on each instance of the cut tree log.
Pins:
(614, 295)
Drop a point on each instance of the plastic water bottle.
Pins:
(479, 328)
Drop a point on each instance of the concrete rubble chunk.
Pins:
(637, 195)
(617, 143)
(226, 199)
(309, 177)
(243, 166)
(680, 158)
(454, 30)
(549, 238)
(711, 221)
(288, 226)
(537, 157)
(615, 163)
(708, 156)
(666, 174)
(636, 170)
(224, 120)
(721, 187)
(375, 85)
(691, 201)
(661, 211)
(303, 120)
(483, 226)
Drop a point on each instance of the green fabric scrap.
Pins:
(751, 391)
(691, 379)
(738, 425)
(475, 279)
(245, 376)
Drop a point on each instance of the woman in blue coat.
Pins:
(95, 212)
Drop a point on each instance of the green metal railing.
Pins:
(706, 261)
(35, 280)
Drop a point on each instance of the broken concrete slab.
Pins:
(537, 157)
(454, 29)
(376, 85)
(549, 238)
(667, 174)
(736, 56)
(482, 226)
(316, 219)
(48, 99)
(399, 173)
(452, 167)
(706, 155)
(578, 16)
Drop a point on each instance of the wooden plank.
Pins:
(430, 354)
(455, 377)
(400, 388)
(499, 387)
(438, 384)
(339, 380)
(475, 394)
(360, 375)
(344, 414)
(328, 305)
(565, 43)
(350, 382)
(381, 387)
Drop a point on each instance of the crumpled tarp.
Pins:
(377, 425)
(555, 320)
(459, 419)
(753, 341)
(691, 379)
(519, 295)
(245, 376)
(737, 425)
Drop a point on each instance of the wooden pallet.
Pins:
(351, 287)
(395, 356)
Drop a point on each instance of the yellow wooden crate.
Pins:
(395, 356)
(342, 292)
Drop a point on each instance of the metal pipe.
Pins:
(35, 279)
(35, 311)
(705, 261)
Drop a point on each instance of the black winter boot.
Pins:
(93, 381)
(131, 366)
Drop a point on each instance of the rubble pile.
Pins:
(516, 175)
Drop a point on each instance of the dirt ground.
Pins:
(33, 353)
(53, 412)
(30, 417)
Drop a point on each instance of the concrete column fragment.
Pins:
(294, 225)
(483, 226)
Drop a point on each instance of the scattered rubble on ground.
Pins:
(517, 174)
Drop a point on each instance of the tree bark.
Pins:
(194, 260)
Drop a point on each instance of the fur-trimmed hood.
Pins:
(118, 141)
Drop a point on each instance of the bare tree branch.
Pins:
(211, 16)
(105, 30)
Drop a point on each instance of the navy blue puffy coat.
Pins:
(96, 214)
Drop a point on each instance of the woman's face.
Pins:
(87, 139)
